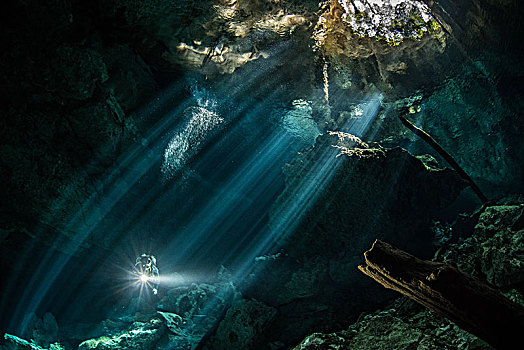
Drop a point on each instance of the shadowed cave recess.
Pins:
(254, 148)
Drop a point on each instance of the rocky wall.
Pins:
(67, 96)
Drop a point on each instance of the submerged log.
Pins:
(470, 303)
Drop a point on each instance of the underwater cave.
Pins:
(229, 174)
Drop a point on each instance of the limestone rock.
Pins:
(398, 327)
(243, 325)
(183, 333)
(502, 259)
(381, 44)
(476, 111)
(193, 311)
(345, 212)
(140, 335)
(16, 343)
(173, 321)
(495, 249)
(78, 332)
(42, 331)
(76, 72)
(216, 37)
(192, 300)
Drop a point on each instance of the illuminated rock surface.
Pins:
(140, 335)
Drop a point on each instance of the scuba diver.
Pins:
(146, 269)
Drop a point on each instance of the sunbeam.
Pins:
(208, 174)
(224, 211)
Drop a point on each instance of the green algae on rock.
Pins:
(388, 22)
(140, 335)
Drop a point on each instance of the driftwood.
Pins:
(451, 161)
(443, 288)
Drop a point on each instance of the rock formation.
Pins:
(316, 273)
(404, 322)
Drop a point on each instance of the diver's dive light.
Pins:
(144, 278)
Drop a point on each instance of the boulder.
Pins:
(194, 299)
(42, 331)
(193, 312)
(398, 327)
(12, 342)
(183, 333)
(495, 248)
(140, 335)
(243, 326)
